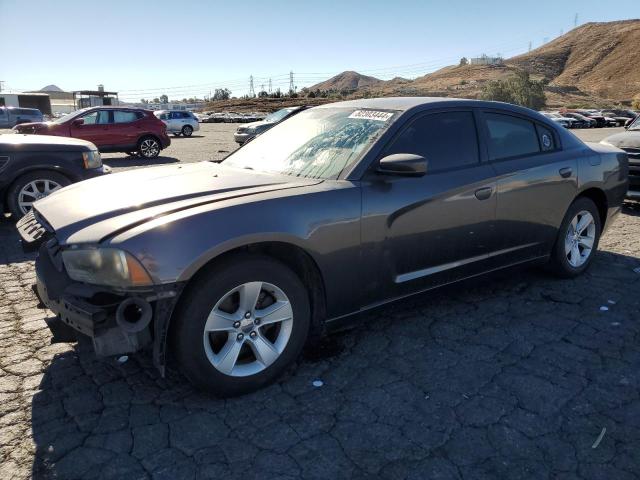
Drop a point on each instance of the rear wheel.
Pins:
(149, 147)
(241, 324)
(577, 239)
(187, 130)
(32, 187)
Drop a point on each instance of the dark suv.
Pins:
(33, 167)
(112, 129)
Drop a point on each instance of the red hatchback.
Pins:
(111, 129)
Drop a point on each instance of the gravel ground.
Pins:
(516, 375)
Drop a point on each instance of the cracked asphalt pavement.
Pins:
(515, 375)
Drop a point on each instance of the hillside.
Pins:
(349, 81)
(596, 63)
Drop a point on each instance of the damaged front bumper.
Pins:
(118, 321)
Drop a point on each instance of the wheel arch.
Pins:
(598, 197)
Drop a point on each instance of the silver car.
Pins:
(179, 122)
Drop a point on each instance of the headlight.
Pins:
(92, 159)
(105, 266)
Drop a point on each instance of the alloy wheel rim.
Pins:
(149, 148)
(248, 329)
(33, 191)
(580, 239)
(188, 131)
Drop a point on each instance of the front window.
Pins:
(70, 116)
(635, 125)
(277, 116)
(316, 143)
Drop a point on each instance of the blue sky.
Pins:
(187, 48)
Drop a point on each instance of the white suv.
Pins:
(178, 121)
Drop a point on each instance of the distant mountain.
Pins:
(348, 80)
(51, 88)
(596, 63)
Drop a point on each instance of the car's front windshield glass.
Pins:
(316, 143)
(635, 125)
(277, 116)
(69, 116)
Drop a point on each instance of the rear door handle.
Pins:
(566, 172)
(484, 193)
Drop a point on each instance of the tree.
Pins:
(518, 89)
(164, 99)
(144, 101)
(464, 61)
(635, 104)
(156, 100)
(221, 94)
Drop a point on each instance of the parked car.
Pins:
(594, 115)
(179, 122)
(248, 132)
(12, 116)
(342, 208)
(629, 141)
(620, 121)
(112, 129)
(566, 122)
(33, 167)
(581, 120)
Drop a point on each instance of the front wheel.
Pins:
(241, 324)
(577, 239)
(32, 187)
(149, 147)
(187, 130)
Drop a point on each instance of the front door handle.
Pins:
(566, 172)
(484, 193)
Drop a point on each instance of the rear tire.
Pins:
(187, 130)
(577, 240)
(31, 187)
(228, 347)
(149, 147)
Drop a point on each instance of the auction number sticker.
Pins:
(372, 115)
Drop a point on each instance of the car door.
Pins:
(94, 128)
(125, 129)
(536, 182)
(420, 232)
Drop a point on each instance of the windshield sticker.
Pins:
(372, 115)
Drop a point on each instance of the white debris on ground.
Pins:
(318, 383)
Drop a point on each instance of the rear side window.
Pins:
(121, 116)
(510, 136)
(545, 137)
(447, 140)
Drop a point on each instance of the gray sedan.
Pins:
(251, 130)
(233, 267)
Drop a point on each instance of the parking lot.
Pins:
(518, 375)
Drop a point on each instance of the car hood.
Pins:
(628, 139)
(93, 210)
(258, 124)
(33, 126)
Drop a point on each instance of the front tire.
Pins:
(31, 187)
(241, 324)
(149, 147)
(187, 130)
(577, 239)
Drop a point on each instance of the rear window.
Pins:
(122, 116)
(510, 136)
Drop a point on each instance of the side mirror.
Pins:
(78, 122)
(403, 164)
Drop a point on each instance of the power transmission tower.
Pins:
(529, 45)
(575, 20)
(262, 88)
(252, 92)
(269, 85)
(291, 81)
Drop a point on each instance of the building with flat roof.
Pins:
(41, 101)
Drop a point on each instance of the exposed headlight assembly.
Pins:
(92, 159)
(105, 266)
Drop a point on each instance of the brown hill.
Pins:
(349, 81)
(596, 64)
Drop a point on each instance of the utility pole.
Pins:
(575, 21)
(269, 85)
(291, 81)
(529, 45)
(252, 92)
(1, 84)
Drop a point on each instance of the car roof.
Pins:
(412, 103)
